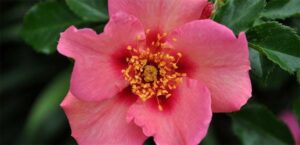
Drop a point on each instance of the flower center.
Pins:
(152, 72)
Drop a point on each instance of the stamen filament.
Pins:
(153, 73)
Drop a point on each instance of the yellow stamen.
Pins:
(129, 47)
(138, 37)
(148, 31)
(153, 73)
(159, 36)
(160, 108)
(150, 73)
(174, 39)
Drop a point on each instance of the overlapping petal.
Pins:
(164, 15)
(218, 59)
(102, 122)
(185, 118)
(98, 58)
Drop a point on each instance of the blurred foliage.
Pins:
(256, 125)
(33, 84)
(24, 75)
(89, 10)
(44, 110)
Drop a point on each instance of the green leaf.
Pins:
(43, 23)
(296, 108)
(280, 9)
(256, 125)
(90, 10)
(279, 43)
(239, 15)
(264, 73)
(46, 117)
(259, 65)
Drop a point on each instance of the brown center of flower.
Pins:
(152, 72)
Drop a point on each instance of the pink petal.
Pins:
(104, 122)
(207, 11)
(217, 58)
(290, 120)
(164, 15)
(99, 58)
(184, 123)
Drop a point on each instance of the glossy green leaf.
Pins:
(256, 125)
(264, 73)
(239, 15)
(280, 9)
(278, 42)
(46, 117)
(90, 10)
(43, 23)
(259, 65)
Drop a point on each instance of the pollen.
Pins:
(152, 72)
(174, 39)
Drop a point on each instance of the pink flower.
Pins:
(290, 120)
(156, 70)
